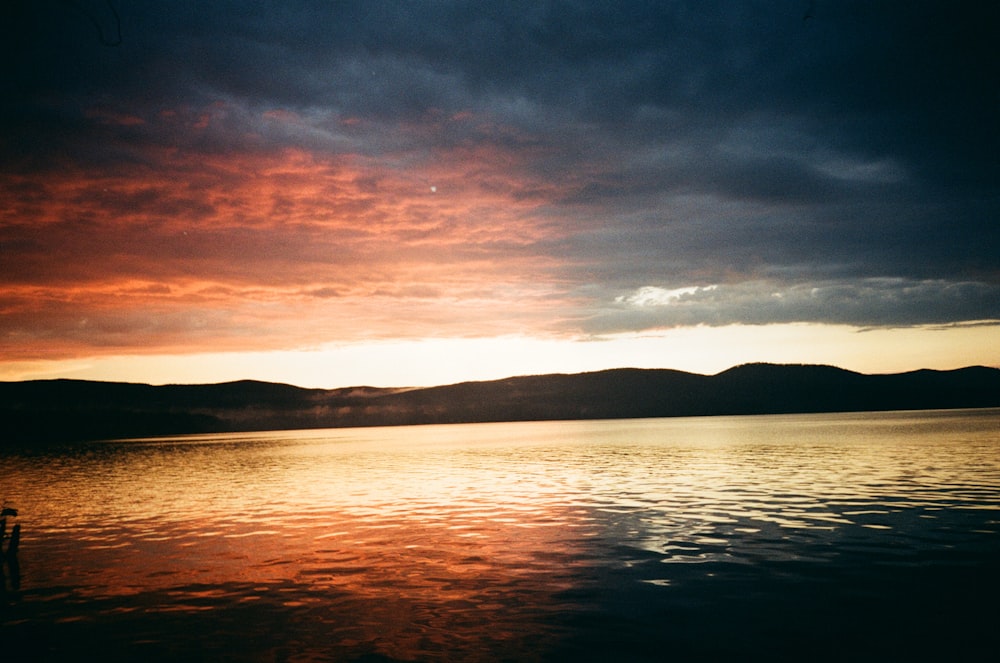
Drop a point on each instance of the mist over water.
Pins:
(839, 536)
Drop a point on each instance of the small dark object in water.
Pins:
(15, 535)
(15, 542)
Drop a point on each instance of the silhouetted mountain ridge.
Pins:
(70, 410)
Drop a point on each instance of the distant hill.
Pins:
(44, 411)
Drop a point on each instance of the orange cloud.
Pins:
(114, 118)
(202, 251)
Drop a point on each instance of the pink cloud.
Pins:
(281, 115)
(201, 251)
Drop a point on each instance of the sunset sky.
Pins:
(335, 193)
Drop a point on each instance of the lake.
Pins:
(871, 536)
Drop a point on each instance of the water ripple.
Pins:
(412, 543)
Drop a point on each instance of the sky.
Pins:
(335, 193)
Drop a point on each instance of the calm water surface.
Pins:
(804, 537)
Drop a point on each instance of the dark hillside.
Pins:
(772, 388)
(620, 393)
(48, 411)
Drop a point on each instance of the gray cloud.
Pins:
(690, 142)
(890, 302)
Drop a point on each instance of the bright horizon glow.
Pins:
(431, 362)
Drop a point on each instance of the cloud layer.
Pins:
(250, 175)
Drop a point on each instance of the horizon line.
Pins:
(508, 377)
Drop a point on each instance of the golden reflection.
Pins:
(482, 539)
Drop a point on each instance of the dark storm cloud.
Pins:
(684, 143)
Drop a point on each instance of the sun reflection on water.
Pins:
(484, 539)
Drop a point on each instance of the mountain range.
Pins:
(46, 411)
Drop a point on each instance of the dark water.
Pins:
(817, 537)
